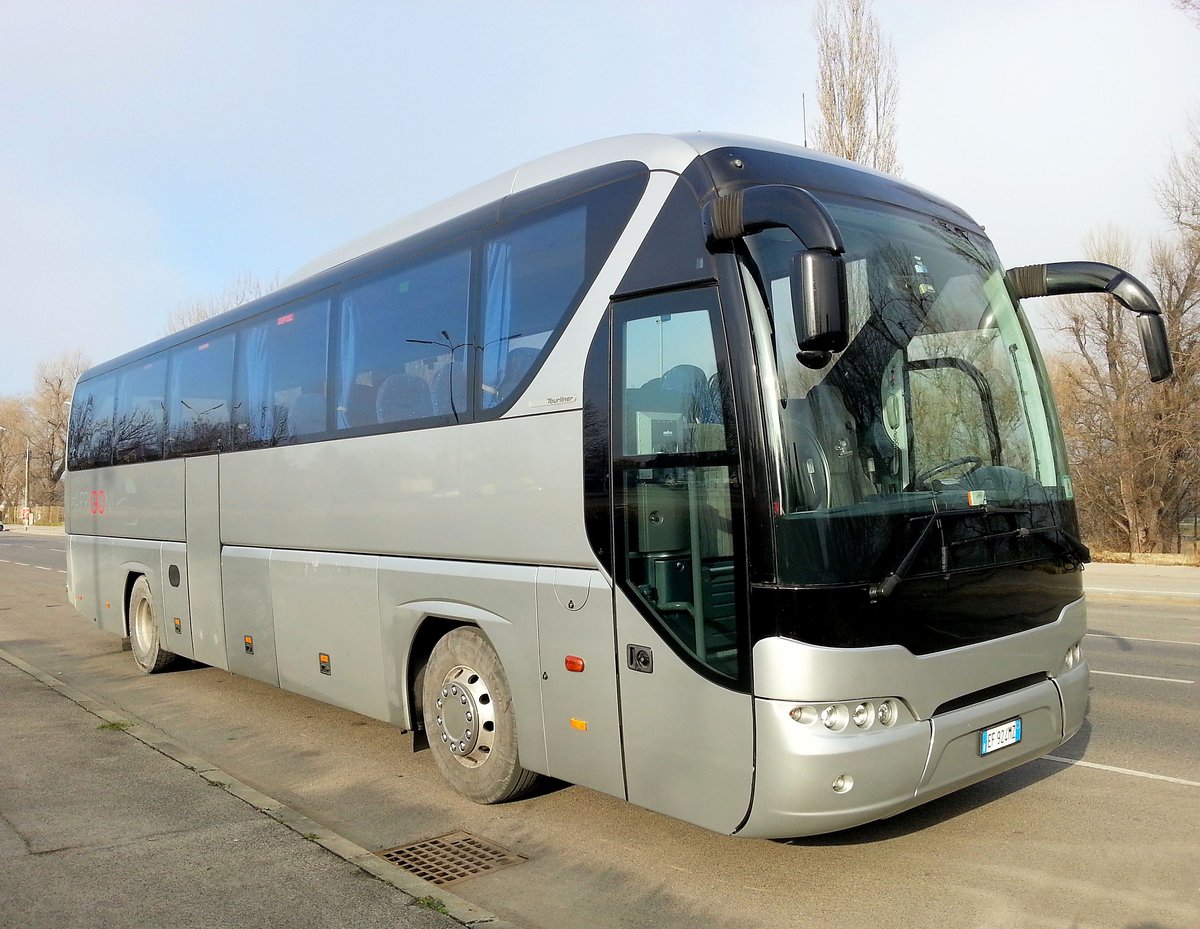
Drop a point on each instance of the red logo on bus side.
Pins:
(99, 502)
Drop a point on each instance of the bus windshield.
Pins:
(930, 444)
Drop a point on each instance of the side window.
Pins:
(403, 338)
(675, 472)
(90, 434)
(282, 379)
(536, 269)
(533, 275)
(198, 396)
(141, 411)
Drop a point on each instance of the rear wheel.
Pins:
(469, 722)
(144, 642)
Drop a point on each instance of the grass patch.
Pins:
(431, 903)
(119, 726)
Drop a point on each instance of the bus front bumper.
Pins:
(810, 781)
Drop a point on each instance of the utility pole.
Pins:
(28, 514)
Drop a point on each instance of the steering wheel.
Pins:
(921, 481)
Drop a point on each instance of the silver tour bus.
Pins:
(707, 472)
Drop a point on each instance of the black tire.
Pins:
(147, 648)
(469, 722)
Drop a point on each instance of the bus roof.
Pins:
(658, 152)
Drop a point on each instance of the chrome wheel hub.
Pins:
(466, 719)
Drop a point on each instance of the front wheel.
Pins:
(144, 642)
(469, 721)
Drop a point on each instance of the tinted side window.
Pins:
(282, 376)
(403, 343)
(91, 429)
(532, 276)
(536, 270)
(141, 411)
(198, 405)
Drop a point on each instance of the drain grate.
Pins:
(451, 858)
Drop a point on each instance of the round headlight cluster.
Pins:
(1074, 656)
(837, 717)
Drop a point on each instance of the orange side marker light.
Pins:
(580, 724)
(574, 663)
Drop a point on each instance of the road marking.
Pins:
(1133, 638)
(42, 567)
(1129, 771)
(1144, 677)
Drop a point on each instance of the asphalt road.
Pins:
(1106, 835)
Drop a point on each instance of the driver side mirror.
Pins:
(1085, 277)
(819, 303)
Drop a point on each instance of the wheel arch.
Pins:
(431, 620)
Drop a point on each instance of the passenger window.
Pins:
(198, 406)
(404, 354)
(675, 476)
(91, 429)
(534, 274)
(282, 376)
(141, 411)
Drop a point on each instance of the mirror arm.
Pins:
(1087, 277)
(1083, 277)
(766, 206)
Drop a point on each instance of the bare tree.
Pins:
(1133, 444)
(1191, 7)
(857, 89)
(242, 289)
(49, 414)
(14, 421)
(1179, 192)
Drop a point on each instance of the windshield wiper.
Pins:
(884, 588)
(1068, 545)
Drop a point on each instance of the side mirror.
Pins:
(1085, 277)
(819, 304)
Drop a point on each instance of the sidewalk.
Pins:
(100, 829)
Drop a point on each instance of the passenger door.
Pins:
(686, 711)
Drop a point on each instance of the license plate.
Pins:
(1001, 736)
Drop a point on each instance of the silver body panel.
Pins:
(202, 506)
(580, 714)
(689, 744)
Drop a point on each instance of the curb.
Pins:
(411, 886)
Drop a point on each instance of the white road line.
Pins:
(61, 571)
(1144, 677)
(1130, 772)
(1133, 638)
(21, 564)
(42, 567)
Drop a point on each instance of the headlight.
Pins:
(865, 714)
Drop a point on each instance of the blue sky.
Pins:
(150, 153)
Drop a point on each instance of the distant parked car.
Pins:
(1, 527)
